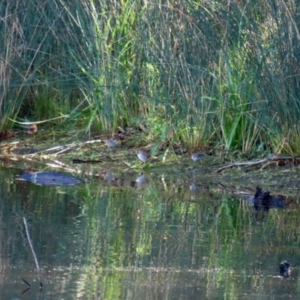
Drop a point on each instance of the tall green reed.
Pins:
(216, 72)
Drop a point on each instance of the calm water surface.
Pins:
(159, 241)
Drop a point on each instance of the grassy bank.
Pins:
(217, 73)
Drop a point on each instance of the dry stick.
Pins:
(257, 162)
(33, 253)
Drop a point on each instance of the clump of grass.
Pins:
(223, 74)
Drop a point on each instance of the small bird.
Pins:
(143, 156)
(6, 134)
(194, 188)
(197, 155)
(110, 143)
(111, 179)
(31, 128)
(285, 269)
(141, 180)
(108, 176)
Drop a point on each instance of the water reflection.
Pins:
(111, 179)
(102, 241)
(141, 180)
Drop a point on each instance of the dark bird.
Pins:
(285, 269)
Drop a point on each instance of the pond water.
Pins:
(156, 241)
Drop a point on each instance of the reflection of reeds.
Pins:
(33, 253)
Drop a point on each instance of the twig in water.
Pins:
(28, 286)
(26, 290)
(33, 253)
(25, 281)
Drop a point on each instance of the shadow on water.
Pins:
(150, 239)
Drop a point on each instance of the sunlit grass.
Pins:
(210, 78)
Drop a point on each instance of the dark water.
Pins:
(159, 241)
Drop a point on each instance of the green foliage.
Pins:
(215, 69)
(236, 110)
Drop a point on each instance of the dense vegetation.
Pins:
(203, 72)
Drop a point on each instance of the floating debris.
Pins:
(51, 179)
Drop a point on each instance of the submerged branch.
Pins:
(33, 252)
